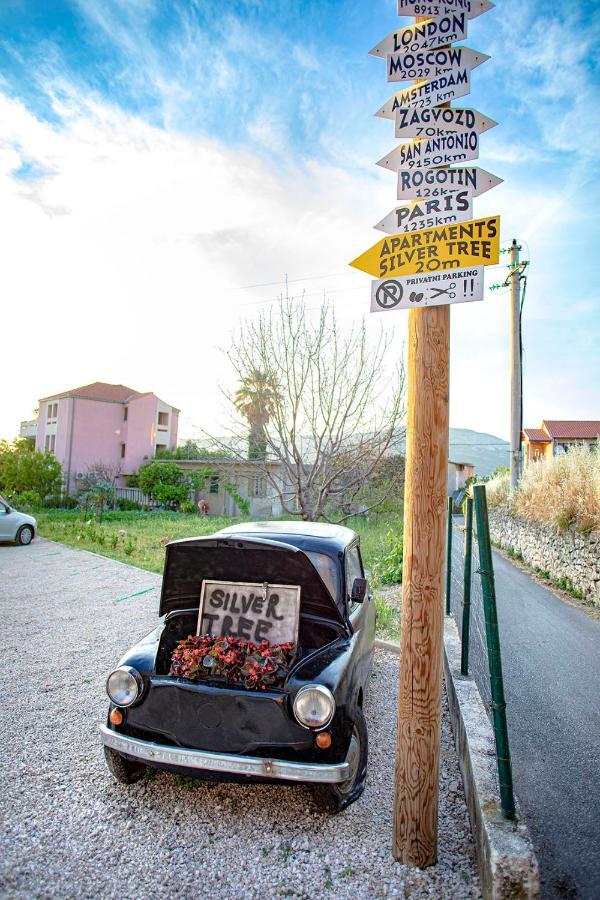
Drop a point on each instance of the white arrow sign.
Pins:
(427, 94)
(424, 35)
(435, 289)
(430, 152)
(419, 214)
(431, 63)
(420, 123)
(473, 8)
(416, 184)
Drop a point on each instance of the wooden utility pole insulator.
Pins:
(425, 505)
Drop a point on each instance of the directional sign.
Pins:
(414, 184)
(431, 63)
(418, 214)
(420, 123)
(438, 151)
(426, 94)
(473, 8)
(426, 35)
(474, 243)
(437, 289)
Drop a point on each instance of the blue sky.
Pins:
(157, 156)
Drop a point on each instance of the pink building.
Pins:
(104, 423)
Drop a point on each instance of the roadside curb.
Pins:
(387, 645)
(508, 867)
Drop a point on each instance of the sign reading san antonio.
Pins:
(475, 243)
(255, 612)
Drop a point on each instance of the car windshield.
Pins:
(327, 569)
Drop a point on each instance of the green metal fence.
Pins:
(471, 599)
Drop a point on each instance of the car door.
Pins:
(362, 615)
(7, 532)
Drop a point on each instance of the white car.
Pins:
(15, 526)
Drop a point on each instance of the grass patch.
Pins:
(388, 619)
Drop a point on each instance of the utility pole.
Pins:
(516, 389)
(425, 504)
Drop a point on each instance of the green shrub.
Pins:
(387, 567)
(27, 500)
(128, 505)
(188, 506)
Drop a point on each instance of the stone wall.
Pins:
(566, 554)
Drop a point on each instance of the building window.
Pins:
(50, 443)
(257, 486)
(123, 448)
(213, 487)
(125, 411)
(52, 412)
(163, 420)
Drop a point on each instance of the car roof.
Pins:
(316, 536)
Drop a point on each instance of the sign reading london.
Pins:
(425, 94)
(417, 214)
(474, 243)
(426, 35)
(430, 63)
(438, 289)
(414, 184)
(473, 8)
(421, 123)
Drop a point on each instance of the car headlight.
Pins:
(124, 685)
(314, 706)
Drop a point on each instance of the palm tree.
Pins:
(256, 400)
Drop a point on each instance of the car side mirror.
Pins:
(359, 590)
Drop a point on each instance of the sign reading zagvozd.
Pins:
(422, 123)
(426, 35)
(255, 612)
(437, 289)
(473, 8)
(418, 214)
(427, 94)
(475, 243)
(430, 63)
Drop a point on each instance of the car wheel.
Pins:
(124, 770)
(335, 797)
(24, 535)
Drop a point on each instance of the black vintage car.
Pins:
(309, 726)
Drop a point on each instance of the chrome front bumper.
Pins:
(257, 766)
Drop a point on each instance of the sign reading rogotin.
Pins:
(475, 243)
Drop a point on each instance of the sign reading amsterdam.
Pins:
(439, 289)
(473, 8)
(431, 63)
(414, 184)
(426, 35)
(418, 214)
(421, 123)
(426, 94)
(438, 151)
(475, 243)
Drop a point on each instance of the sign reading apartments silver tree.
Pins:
(255, 612)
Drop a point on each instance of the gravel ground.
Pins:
(69, 830)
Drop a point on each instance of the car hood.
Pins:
(189, 562)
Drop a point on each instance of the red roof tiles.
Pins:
(100, 390)
(558, 429)
(536, 434)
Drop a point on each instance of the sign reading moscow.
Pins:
(474, 243)
(431, 63)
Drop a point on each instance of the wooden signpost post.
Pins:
(419, 270)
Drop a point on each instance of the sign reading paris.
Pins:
(475, 243)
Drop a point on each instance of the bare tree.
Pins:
(334, 412)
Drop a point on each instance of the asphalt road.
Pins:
(551, 662)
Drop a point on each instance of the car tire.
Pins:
(25, 535)
(124, 770)
(336, 797)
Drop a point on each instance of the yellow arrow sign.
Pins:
(463, 244)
